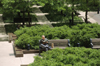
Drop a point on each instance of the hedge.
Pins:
(72, 56)
(80, 33)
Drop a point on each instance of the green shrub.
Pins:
(25, 39)
(80, 33)
(72, 56)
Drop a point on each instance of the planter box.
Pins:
(30, 51)
(19, 52)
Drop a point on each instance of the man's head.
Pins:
(43, 37)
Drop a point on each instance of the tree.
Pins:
(73, 4)
(57, 7)
(12, 7)
(88, 5)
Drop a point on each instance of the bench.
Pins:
(14, 37)
(10, 37)
(95, 43)
(59, 43)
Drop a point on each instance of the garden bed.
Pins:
(80, 33)
(18, 51)
(73, 56)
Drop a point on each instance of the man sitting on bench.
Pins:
(44, 44)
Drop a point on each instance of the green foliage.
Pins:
(10, 9)
(80, 33)
(9, 29)
(72, 56)
(89, 5)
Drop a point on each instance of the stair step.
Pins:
(4, 39)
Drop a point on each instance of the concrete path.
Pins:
(3, 35)
(41, 16)
(90, 19)
(7, 57)
(93, 17)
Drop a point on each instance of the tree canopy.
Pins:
(13, 6)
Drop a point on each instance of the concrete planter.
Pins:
(18, 51)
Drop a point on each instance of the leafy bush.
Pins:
(80, 33)
(72, 56)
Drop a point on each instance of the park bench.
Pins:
(11, 37)
(95, 43)
(59, 43)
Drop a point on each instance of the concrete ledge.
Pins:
(35, 6)
(14, 37)
(30, 51)
(24, 65)
(41, 14)
(19, 53)
(17, 49)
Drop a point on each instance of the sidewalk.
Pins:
(7, 57)
(3, 35)
(93, 17)
(41, 16)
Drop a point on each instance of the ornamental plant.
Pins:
(80, 33)
(70, 56)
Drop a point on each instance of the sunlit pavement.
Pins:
(7, 57)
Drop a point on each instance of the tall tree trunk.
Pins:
(86, 18)
(72, 18)
(29, 19)
(73, 12)
(98, 11)
(23, 17)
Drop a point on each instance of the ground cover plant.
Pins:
(72, 56)
(80, 33)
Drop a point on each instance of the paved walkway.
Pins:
(7, 57)
(41, 16)
(3, 35)
(93, 17)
